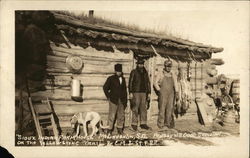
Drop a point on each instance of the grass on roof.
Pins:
(114, 24)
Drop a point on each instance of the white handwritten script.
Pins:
(109, 140)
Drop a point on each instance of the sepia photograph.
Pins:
(175, 76)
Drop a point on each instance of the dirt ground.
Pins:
(187, 131)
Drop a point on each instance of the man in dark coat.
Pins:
(139, 89)
(115, 90)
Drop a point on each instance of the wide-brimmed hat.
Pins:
(118, 67)
(168, 63)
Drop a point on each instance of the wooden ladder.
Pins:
(44, 120)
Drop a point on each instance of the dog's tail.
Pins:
(102, 126)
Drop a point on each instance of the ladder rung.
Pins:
(44, 113)
(46, 122)
(42, 117)
(48, 127)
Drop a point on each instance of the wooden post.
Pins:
(202, 78)
(152, 73)
(195, 87)
(128, 113)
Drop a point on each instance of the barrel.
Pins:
(236, 90)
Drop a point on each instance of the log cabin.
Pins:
(46, 39)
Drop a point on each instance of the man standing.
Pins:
(115, 90)
(139, 89)
(166, 85)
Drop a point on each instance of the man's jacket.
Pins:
(135, 80)
(114, 90)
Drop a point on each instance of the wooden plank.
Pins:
(56, 58)
(92, 61)
(86, 80)
(88, 93)
(90, 53)
(58, 71)
(202, 111)
(88, 68)
(216, 61)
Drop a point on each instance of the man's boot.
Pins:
(109, 132)
(146, 127)
(134, 127)
(120, 131)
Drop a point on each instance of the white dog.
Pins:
(82, 118)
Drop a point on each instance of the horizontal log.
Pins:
(91, 53)
(92, 61)
(62, 94)
(56, 71)
(216, 61)
(56, 58)
(89, 93)
(51, 70)
(88, 68)
(86, 80)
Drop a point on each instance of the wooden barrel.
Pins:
(236, 90)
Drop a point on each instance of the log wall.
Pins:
(98, 65)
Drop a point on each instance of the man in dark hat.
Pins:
(139, 89)
(115, 90)
(167, 87)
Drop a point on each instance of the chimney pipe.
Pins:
(91, 13)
